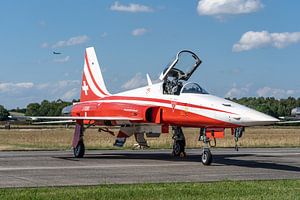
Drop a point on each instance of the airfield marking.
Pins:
(93, 166)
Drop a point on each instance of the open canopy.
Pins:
(182, 67)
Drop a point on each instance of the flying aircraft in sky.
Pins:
(56, 53)
(173, 102)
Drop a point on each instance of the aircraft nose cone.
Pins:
(256, 118)
(265, 119)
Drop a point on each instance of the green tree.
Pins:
(45, 108)
(3, 113)
(270, 105)
(33, 109)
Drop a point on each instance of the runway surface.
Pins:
(57, 168)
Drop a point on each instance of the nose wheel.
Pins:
(206, 157)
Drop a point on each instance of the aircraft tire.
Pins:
(206, 157)
(79, 150)
(178, 148)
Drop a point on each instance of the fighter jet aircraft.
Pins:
(173, 102)
(56, 53)
(293, 118)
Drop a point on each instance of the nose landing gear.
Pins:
(206, 157)
(237, 133)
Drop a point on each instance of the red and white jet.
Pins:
(151, 110)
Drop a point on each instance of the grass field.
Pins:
(280, 189)
(60, 138)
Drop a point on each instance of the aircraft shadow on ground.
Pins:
(240, 160)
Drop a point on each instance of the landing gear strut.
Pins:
(206, 157)
(179, 142)
(237, 133)
(78, 144)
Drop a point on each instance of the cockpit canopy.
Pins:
(182, 67)
(180, 70)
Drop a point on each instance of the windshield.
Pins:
(193, 88)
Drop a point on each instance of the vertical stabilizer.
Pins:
(93, 86)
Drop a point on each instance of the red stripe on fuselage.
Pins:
(174, 117)
(162, 101)
(92, 75)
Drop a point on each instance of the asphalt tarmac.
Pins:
(59, 168)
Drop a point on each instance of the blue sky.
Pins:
(248, 47)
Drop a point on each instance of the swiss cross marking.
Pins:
(173, 103)
(85, 88)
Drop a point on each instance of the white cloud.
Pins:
(238, 91)
(14, 95)
(65, 83)
(45, 45)
(62, 60)
(275, 92)
(253, 40)
(228, 7)
(134, 8)
(139, 31)
(71, 41)
(42, 86)
(15, 87)
(71, 94)
(42, 23)
(137, 81)
(64, 89)
(104, 34)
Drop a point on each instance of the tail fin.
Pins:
(93, 87)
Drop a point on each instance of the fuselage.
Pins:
(185, 109)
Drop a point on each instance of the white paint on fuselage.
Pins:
(232, 112)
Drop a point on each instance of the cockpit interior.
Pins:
(178, 72)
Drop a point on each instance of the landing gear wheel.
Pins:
(79, 150)
(206, 157)
(178, 148)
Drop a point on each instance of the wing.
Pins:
(70, 119)
(288, 122)
(86, 118)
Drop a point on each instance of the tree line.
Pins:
(45, 108)
(269, 105)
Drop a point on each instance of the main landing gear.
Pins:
(179, 142)
(78, 144)
(179, 145)
(79, 150)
